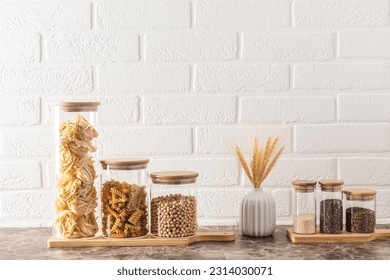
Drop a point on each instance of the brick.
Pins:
(288, 46)
(287, 109)
(242, 14)
(130, 78)
(189, 109)
(241, 77)
(45, 16)
(212, 171)
(27, 205)
(336, 13)
(341, 76)
(145, 141)
(283, 202)
(382, 205)
(364, 44)
(92, 47)
(141, 14)
(217, 204)
(20, 111)
(191, 46)
(23, 175)
(370, 108)
(376, 171)
(45, 79)
(32, 142)
(20, 47)
(342, 138)
(119, 110)
(289, 169)
(222, 140)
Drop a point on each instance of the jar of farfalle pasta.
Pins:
(173, 204)
(124, 198)
(75, 171)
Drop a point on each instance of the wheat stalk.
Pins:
(263, 160)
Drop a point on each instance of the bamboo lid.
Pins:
(124, 163)
(360, 194)
(304, 185)
(331, 185)
(77, 106)
(174, 177)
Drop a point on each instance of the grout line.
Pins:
(192, 15)
(240, 46)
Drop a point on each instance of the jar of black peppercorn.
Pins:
(331, 206)
(360, 210)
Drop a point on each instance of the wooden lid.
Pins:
(331, 183)
(304, 185)
(77, 106)
(174, 177)
(360, 194)
(124, 163)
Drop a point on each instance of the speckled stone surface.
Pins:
(31, 243)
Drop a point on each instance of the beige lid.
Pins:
(174, 177)
(304, 185)
(331, 185)
(77, 106)
(124, 163)
(359, 194)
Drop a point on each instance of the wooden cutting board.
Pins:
(344, 237)
(140, 242)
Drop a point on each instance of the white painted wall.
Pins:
(183, 81)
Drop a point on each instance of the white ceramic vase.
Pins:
(257, 214)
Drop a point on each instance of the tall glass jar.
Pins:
(360, 209)
(124, 198)
(331, 206)
(304, 206)
(75, 126)
(173, 204)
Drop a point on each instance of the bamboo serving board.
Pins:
(140, 242)
(344, 237)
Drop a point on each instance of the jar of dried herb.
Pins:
(304, 206)
(360, 210)
(331, 206)
(173, 205)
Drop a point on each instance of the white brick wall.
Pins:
(183, 81)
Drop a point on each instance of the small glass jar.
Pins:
(360, 209)
(173, 204)
(331, 206)
(75, 127)
(304, 206)
(124, 198)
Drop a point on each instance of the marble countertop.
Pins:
(31, 243)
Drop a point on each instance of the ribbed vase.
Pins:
(257, 214)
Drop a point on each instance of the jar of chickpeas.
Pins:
(124, 198)
(173, 204)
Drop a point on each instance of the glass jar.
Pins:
(124, 198)
(173, 204)
(360, 210)
(304, 206)
(75, 126)
(331, 206)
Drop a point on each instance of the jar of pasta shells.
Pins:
(124, 198)
(173, 204)
(75, 127)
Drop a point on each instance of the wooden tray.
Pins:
(344, 237)
(139, 242)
